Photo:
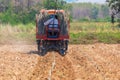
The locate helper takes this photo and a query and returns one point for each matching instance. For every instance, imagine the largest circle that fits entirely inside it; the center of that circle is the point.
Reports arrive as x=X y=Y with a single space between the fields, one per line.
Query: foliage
x=12 y=18
x=54 y=4
x=105 y=10
x=90 y=12
x=115 y=9
x=94 y=13
x=115 y=5
x=23 y=11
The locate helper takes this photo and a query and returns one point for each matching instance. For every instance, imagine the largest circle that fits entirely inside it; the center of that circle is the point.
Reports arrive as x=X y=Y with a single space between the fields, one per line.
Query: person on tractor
x=52 y=22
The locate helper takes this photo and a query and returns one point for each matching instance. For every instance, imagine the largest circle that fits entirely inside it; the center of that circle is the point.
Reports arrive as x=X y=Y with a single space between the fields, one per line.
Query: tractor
x=49 y=37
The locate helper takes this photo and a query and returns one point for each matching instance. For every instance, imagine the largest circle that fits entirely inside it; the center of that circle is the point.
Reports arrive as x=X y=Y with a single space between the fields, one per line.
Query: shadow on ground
x=38 y=53
x=43 y=54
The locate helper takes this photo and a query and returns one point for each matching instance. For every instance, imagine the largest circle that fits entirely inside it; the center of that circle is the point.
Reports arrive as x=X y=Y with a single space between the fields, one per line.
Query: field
x=82 y=62
x=94 y=54
x=90 y=32
x=80 y=33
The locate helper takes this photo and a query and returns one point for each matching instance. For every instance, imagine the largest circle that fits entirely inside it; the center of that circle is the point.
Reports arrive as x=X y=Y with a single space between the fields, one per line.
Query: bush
x=13 y=18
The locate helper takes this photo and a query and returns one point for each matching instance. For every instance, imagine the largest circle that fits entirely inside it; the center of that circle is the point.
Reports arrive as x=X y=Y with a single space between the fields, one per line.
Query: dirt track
x=82 y=62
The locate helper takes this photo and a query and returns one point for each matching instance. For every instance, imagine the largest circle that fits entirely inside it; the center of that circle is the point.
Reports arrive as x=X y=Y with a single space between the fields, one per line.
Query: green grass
x=94 y=37
x=93 y=27
x=91 y=32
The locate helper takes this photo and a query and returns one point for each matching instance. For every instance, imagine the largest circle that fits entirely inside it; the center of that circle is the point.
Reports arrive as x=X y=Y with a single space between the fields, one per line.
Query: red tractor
x=49 y=37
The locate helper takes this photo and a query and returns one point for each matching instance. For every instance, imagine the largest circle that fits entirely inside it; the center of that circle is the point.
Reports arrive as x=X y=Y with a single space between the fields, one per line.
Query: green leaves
x=54 y=4
x=115 y=5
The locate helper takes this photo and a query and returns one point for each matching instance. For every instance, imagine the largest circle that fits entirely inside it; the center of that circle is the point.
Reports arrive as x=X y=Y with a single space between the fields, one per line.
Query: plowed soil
x=82 y=62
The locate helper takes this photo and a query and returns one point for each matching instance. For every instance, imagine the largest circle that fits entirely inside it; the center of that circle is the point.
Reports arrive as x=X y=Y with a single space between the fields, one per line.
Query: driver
x=53 y=21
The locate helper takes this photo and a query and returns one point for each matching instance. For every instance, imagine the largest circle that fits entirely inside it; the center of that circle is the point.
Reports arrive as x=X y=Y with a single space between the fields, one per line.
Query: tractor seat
x=53 y=34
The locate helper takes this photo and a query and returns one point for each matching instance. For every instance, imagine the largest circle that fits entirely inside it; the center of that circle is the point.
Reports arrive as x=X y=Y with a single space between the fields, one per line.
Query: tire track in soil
x=42 y=67
x=53 y=66
x=91 y=63
x=63 y=69
x=83 y=62
x=85 y=66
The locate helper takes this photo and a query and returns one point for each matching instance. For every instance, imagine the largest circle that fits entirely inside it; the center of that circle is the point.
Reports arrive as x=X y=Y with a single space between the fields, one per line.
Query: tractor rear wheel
x=66 y=45
x=62 y=52
x=38 y=46
x=39 y=50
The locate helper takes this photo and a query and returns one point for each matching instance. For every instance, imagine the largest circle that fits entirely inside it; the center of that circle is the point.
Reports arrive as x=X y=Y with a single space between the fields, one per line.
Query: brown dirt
x=82 y=62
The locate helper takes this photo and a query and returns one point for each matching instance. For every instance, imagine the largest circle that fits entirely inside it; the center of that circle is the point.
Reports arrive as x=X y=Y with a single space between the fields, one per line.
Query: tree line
x=23 y=11
x=19 y=11
x=89 y=11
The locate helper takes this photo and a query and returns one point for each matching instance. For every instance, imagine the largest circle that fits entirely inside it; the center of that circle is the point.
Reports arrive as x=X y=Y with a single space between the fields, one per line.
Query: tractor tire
x=66 y=45
x=38 y=46
x=39 y=50
x=62 y=52
x=43 y=52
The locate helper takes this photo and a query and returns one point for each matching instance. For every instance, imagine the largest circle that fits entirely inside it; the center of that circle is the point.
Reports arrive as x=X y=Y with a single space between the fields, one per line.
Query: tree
x=54 y=4
x=105 y=10
x=114 y=5
x=115 y=8
x=94 y=13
